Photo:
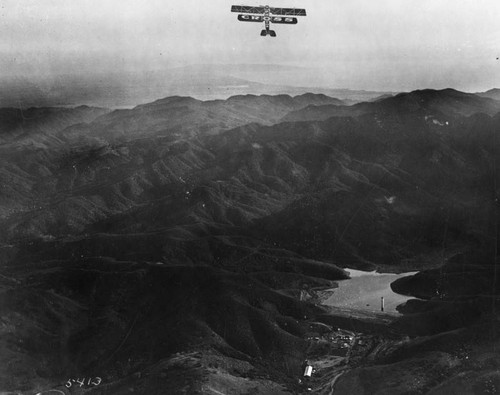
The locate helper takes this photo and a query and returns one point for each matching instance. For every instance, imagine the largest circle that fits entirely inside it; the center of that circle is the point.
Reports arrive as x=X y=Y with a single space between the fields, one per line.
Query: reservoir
x=364 y=291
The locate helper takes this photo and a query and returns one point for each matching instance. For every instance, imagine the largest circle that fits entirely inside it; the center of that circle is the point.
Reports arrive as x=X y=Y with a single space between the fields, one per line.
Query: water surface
x=365 y=289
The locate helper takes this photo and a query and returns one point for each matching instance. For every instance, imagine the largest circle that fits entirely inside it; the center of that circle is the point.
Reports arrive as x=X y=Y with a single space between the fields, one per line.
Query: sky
x=359 y=44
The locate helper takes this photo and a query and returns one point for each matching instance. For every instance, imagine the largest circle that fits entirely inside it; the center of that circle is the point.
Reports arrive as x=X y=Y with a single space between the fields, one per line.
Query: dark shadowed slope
x=107 y=318
x=167 y=246
x=395 y=177
x=18 y=123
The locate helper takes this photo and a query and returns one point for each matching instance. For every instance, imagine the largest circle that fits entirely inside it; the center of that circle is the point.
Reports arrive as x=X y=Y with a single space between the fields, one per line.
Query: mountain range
x=168 y=245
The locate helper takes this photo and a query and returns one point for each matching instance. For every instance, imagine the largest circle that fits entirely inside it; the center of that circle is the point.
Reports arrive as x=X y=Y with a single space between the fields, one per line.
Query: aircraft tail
x=265 y=32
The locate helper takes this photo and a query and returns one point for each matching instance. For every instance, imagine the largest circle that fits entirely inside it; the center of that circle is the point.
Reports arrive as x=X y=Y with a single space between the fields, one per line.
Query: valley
x=186 y=246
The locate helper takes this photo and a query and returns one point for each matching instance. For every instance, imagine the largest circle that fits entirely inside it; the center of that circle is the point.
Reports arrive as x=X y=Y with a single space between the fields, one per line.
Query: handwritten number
x=91 y=381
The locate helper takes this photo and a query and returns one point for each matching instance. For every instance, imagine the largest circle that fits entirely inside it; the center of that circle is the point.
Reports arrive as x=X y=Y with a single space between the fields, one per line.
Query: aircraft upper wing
x=247 y=9
x=288 y=11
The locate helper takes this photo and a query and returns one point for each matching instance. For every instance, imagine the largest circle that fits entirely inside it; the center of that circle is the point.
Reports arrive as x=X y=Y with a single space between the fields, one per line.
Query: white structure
x=308 y=371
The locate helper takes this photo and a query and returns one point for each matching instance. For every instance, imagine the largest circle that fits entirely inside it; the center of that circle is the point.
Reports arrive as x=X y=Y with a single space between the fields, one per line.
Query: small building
x=308 y=371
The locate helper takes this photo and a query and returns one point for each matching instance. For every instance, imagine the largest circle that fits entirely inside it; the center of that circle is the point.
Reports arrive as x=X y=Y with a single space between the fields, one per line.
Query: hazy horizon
x=260 y=73
x=360 y=45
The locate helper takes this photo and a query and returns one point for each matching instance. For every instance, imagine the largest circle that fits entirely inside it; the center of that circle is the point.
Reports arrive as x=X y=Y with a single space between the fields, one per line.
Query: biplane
x=268 y=15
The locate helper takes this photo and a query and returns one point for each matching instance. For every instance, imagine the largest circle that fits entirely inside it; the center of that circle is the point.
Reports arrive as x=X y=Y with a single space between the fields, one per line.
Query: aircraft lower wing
x=284 y=20
x=250 y=18
x=274 y=19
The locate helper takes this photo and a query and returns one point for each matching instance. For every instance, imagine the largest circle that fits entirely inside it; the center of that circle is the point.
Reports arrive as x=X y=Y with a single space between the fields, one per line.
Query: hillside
x=171 y=245
x=18 y=123
x=447 y=103
x=492 y=94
